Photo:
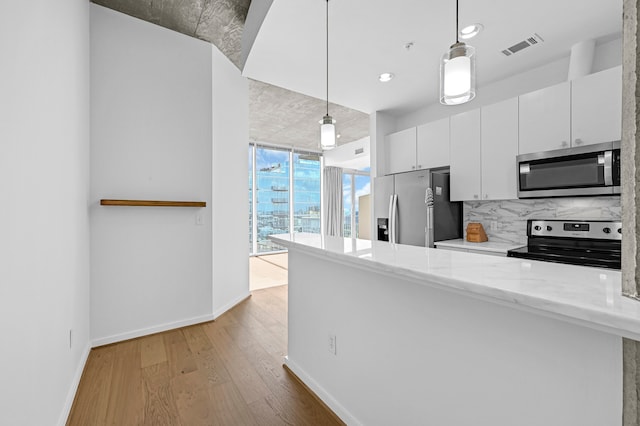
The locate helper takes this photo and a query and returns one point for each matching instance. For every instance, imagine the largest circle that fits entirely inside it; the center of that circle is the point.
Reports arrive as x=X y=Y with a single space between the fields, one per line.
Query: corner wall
x=44 y=221
x=151 y=132
x=230 y=184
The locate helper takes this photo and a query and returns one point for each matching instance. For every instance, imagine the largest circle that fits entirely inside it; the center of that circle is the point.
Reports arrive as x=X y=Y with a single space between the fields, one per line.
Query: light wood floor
x=225 y=372
x=268 y=270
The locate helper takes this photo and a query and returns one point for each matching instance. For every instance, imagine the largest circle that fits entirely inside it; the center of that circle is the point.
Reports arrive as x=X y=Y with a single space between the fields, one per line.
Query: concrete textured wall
x=630 y=195
x=629 y=168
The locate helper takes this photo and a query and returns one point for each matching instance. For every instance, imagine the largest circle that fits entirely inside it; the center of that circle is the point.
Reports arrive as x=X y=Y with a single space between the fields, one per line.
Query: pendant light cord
x=327 y=33
x=457 y=41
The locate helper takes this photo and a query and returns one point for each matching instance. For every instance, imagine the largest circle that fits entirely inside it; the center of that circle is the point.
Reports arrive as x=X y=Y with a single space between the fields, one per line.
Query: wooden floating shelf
x=151 y=203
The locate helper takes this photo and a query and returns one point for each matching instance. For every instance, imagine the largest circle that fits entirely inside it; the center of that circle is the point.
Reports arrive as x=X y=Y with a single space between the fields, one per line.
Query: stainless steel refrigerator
x=401 y=208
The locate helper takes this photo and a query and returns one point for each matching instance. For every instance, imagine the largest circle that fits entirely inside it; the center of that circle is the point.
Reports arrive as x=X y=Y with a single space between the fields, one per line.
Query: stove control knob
x=549 y=228
x=537 y=227
x=619 y=230
x=607 y=230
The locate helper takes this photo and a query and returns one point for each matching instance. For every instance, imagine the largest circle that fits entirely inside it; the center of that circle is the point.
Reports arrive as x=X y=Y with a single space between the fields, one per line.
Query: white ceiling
x=367 y=37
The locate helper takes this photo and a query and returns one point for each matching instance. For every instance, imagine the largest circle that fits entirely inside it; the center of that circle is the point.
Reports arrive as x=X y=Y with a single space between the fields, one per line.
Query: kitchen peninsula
x=395 y=334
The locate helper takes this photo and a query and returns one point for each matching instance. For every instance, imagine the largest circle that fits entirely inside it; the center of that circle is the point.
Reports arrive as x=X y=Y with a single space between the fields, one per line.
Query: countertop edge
x=606 y=322
x=467 y=245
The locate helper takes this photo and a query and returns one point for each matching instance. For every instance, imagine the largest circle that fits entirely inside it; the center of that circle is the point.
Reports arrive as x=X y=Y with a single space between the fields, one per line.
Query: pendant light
x=327 y=127
x=458 y=72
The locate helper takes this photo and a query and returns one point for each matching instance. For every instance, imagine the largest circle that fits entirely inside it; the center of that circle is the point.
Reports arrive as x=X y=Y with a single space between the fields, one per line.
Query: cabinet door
x=432 y=145
x=401 y=151
x=465 y=156
x=499 y=143
x=545 y=119
x=596 y=108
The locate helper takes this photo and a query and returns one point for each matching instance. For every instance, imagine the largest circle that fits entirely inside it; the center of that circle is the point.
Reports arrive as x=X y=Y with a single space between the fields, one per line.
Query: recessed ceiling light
x=385 y=76
x=470 y=31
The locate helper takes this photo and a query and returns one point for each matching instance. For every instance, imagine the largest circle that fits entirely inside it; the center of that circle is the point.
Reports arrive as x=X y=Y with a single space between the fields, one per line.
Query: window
x=250 y=198
x=284 y=194
x=356 y=186
x=306 y=192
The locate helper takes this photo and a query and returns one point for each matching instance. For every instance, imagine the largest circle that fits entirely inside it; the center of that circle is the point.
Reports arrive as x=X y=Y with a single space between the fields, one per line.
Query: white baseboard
x=71 y=394
x=321 y=393
x=230 y=305
x=150 y=330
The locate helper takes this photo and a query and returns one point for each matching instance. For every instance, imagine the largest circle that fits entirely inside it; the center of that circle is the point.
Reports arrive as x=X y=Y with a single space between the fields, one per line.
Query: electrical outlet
x=332 y=343
x=494 y=225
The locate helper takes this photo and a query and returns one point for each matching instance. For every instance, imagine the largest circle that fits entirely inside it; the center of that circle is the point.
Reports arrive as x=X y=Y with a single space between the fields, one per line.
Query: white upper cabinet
x=499 y=147
x=432 y=145
x=401 y=151
x=545 y=119
x=596 y=107
x=465 y=156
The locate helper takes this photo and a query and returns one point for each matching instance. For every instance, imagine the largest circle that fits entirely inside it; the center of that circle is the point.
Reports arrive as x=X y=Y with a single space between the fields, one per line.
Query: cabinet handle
x=475 y=196
x=564 y=144
x=413 y=167
x=419 y=166
x=578 y=141
x=486 y=196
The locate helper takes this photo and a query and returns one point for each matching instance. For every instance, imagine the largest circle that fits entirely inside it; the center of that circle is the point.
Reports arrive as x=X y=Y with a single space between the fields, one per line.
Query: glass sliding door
x=362 y=191
x=347 y=203
x=356 y=188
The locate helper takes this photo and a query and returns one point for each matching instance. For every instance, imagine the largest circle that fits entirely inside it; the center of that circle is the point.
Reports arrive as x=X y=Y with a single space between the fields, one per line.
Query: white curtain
x=334 y=212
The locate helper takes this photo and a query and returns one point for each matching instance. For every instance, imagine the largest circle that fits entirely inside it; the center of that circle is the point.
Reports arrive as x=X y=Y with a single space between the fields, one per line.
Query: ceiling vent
x=530 y=41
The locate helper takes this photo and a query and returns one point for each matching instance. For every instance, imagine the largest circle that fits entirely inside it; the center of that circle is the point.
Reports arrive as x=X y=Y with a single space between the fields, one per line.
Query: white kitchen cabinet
x=432 y=146
x=596 y=107
x=465 y=156
x=545 y=119
x=401 y=151
x=499 y=148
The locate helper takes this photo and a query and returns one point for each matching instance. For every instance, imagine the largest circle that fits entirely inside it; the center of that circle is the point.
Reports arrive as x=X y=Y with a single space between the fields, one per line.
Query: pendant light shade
x=458 y=72
x=327 y=133
x=458 y=75
x=327 y=126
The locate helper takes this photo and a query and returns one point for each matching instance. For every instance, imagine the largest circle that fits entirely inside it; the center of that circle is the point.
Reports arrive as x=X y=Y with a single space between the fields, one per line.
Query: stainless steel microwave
x=584 y=170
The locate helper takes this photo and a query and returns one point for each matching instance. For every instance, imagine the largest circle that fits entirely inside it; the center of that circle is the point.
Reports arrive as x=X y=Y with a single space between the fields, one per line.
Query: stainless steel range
x=577 y=242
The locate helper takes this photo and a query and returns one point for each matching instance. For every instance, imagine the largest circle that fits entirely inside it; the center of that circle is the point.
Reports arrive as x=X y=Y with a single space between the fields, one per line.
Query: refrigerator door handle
x=391 y=227
x=393 y=218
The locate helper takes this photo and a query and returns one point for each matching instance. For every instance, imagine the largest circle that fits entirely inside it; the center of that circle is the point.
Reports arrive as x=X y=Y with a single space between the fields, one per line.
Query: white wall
x=44 y=223
x=230 y=184
x=151 y=132
x=345 y=155
x=169 y=122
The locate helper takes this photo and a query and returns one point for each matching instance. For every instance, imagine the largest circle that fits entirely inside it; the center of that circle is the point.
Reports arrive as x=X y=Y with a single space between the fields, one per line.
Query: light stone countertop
x=492 y=246
x=587 y=296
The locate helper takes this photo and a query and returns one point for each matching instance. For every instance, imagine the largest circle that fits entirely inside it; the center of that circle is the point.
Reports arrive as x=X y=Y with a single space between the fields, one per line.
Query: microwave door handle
x=608 y=168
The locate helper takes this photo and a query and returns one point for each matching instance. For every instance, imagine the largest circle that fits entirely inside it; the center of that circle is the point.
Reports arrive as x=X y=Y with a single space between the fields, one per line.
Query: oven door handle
x=608 y=168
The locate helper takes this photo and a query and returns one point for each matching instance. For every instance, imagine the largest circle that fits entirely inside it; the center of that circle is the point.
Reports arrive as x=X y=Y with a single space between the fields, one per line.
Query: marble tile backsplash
x=511 y=215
